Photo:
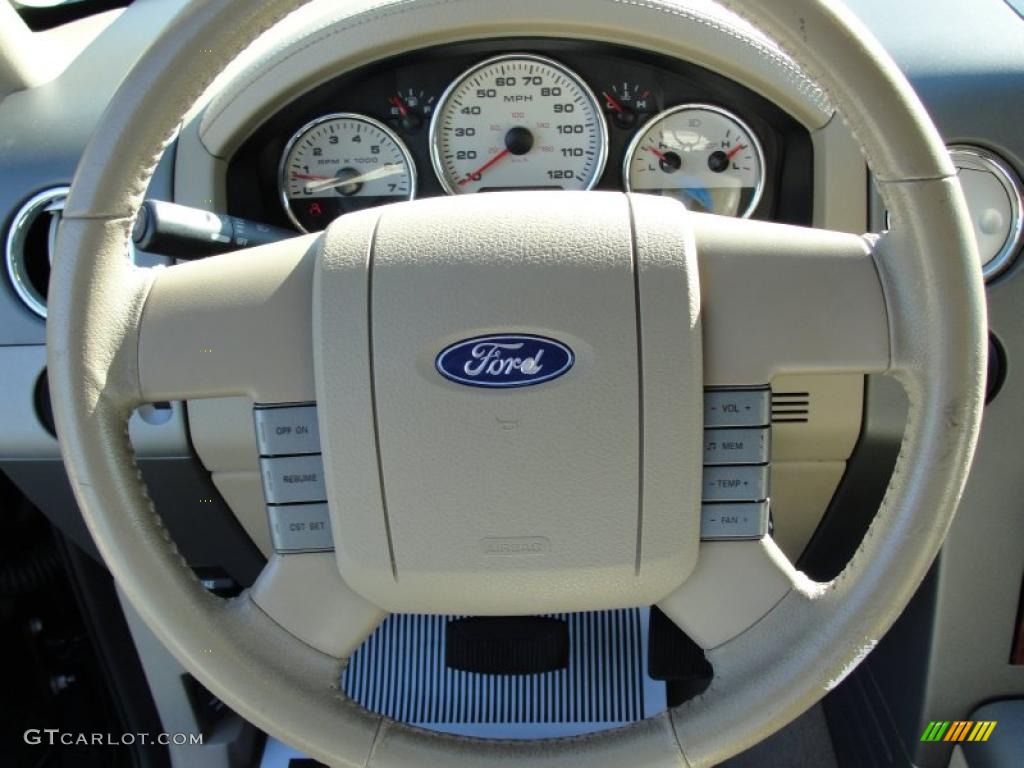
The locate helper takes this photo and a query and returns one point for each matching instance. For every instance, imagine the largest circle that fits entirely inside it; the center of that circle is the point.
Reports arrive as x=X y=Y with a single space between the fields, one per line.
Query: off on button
x=287 y=430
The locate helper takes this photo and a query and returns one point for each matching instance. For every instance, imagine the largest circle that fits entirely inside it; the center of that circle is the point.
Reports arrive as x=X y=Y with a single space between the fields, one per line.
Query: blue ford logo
x=518 y=360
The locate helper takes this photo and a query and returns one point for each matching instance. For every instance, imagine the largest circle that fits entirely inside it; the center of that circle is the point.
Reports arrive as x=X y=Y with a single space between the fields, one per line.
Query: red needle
x=613 y=103
x=659 y=155
x=479 y=171
x=733 y=152
x=397 y=103
x=307 y=177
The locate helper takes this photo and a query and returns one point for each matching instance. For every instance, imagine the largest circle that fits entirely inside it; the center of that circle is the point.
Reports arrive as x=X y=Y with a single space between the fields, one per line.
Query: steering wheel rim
x=934 y=297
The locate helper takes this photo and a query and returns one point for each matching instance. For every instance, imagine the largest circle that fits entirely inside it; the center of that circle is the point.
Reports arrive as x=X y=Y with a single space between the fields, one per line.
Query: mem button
x=287 y=430
x=300 y=528
x=735 y=483
x=737 y=407
x=747 y=520
x=291 y=479
x=736 y=446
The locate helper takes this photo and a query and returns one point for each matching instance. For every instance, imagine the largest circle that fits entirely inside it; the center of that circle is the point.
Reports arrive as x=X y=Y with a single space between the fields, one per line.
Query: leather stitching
x=290 y=49
x=796 y=75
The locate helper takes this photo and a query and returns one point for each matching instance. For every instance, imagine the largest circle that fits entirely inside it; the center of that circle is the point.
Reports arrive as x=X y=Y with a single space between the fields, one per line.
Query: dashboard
x=526 y=113
x=627 y=102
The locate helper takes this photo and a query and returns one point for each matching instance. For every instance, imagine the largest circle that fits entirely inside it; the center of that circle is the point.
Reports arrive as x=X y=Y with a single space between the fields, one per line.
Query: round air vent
x=30 y=245
x=994 y=199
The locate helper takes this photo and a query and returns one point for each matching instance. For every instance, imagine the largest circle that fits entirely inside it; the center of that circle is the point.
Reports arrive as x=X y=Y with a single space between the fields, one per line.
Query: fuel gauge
x=627 y=103
x=701 y=154
x=411 y=108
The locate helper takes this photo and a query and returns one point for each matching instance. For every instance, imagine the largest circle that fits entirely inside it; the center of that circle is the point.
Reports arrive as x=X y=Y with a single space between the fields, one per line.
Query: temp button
x=735 y=483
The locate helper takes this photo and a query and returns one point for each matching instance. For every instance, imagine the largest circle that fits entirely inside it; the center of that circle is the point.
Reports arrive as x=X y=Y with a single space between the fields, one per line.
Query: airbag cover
x=510 y=401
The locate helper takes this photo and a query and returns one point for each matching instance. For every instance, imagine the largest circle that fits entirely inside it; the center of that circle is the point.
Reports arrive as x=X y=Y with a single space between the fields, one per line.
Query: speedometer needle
x=475 y=175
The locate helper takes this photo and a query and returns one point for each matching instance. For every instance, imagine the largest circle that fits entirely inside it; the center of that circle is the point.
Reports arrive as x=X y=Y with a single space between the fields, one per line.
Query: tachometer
x=342 y=163
x=518 y=122
x=701 y=154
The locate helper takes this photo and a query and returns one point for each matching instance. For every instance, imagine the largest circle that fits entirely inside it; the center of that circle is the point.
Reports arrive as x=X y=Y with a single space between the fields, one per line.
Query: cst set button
x=300 y=528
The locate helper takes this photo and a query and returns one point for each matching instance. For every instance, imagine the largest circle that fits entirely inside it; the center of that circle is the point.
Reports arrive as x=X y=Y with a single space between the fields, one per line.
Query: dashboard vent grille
x=791 y=407
x=30 y=245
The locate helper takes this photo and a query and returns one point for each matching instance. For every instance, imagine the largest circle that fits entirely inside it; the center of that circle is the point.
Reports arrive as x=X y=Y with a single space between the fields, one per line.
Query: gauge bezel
x=282 y=187
x=634 y=145
x=442 y=105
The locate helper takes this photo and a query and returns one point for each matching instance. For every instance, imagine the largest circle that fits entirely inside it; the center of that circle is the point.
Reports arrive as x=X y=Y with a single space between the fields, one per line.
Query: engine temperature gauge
x=703 y=155
x=627 y=103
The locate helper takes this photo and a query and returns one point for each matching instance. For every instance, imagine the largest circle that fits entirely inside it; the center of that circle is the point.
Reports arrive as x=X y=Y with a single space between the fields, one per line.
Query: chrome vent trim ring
x=49 y=202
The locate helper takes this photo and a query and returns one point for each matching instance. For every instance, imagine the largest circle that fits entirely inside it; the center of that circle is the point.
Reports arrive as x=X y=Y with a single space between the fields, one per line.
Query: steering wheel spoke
x=734 y=585
x=306 y=595
x=239 y=323
x=783 y=299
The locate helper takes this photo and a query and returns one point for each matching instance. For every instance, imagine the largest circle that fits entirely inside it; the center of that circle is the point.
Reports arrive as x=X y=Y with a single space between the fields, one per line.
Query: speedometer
x=518 y=122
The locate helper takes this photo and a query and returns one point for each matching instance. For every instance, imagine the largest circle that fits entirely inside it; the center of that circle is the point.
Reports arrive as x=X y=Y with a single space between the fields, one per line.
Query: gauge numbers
x=342 y=163
x=518 y=122
x=700 y=154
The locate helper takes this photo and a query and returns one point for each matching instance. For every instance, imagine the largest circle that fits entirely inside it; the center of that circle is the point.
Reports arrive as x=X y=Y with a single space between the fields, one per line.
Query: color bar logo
x=958 y=730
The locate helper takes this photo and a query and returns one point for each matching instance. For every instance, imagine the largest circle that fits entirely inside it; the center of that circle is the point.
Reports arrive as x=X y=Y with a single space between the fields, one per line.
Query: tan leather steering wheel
x=910 y=304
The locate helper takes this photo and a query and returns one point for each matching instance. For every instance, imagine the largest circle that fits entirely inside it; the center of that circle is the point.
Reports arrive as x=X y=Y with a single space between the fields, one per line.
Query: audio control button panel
x=737 y=455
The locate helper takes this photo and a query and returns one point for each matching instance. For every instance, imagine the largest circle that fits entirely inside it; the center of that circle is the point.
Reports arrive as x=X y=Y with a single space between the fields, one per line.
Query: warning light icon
x=315 y=210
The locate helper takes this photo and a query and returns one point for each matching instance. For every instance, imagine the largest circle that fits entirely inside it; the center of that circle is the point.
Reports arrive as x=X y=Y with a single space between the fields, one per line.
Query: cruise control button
x=737 y=407
x=291 y=479
x=736 y=446
x=734 y=521
x=300 y=528
x=735 y=483
x=287 y=430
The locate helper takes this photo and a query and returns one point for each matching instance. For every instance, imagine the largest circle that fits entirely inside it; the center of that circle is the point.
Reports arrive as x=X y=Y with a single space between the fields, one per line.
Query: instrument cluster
x=523 y=114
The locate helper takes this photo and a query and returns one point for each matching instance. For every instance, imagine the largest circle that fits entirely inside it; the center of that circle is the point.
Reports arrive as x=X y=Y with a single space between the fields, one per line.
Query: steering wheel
x=655 y=304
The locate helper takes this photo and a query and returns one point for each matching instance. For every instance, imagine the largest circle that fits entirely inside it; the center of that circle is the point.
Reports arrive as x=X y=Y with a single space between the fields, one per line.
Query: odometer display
x=518 y=122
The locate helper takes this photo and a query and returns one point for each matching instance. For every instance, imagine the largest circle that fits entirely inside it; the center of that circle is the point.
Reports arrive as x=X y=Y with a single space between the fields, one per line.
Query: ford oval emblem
x=504 y=361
